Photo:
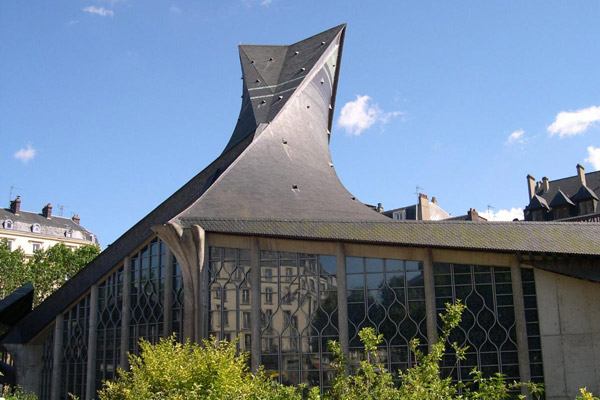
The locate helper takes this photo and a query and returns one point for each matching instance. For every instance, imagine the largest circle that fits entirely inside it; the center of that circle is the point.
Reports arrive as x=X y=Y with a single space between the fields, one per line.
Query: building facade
x=267 y=245
x=32 y=231
x=568 y=199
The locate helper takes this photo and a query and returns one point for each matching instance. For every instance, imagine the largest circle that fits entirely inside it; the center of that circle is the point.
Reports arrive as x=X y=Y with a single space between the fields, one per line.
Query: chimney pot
x=47 y=211
x=15 y=205
x=581 y=174
x=531 y=185
x=379 y=207
x=434 y=200
x=76 y=219
x=545 y=184
x=422 y=196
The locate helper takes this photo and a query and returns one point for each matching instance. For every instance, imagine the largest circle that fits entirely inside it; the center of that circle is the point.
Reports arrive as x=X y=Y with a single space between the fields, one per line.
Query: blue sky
x=107 y=107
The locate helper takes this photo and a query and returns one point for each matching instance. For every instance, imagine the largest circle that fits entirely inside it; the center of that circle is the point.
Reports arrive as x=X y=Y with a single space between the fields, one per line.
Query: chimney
x=531 y=185
x=15 y=205
x=379 y=207
x=545 y=184
x=423 y=208
x=472 y=215
x=581 y=174
x=434 y=200
x=47 y=211
x=76 y=219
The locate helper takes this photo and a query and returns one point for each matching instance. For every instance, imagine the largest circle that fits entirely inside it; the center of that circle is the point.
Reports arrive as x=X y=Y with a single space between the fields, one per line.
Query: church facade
x=266 y=245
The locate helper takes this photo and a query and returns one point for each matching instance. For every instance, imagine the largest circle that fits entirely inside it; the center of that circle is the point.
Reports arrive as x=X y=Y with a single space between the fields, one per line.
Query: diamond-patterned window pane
x=388 y=295
x=47 y=366
x=299 y=315
x=108 y=339
x=229 y=295
x=488 y=323
x=177 y=305
x=147 y=294
x=75 y=350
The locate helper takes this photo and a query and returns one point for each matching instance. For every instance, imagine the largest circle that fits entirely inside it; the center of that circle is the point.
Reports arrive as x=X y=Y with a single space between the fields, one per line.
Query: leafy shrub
x=16 y=393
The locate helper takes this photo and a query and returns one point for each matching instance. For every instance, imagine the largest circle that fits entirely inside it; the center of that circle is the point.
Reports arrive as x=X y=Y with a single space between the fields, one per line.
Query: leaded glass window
x=388 y=295
x=488 y=323
x=299 y=312
x=533 y=327
x=47 y=366
x=177 y=305
x=229 y=299
x=108 y=339
x=75 y=350
x=147 y=294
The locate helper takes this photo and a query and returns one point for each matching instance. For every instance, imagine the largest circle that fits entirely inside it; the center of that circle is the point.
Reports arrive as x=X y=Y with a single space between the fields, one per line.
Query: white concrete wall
x=569 y=314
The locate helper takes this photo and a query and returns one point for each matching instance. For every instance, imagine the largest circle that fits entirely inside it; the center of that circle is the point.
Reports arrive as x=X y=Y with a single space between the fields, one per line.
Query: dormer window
x=537 y=215
x=69 y=233
x=36 y=228
x=8 y=224
x=586 y=207
x=561 y=212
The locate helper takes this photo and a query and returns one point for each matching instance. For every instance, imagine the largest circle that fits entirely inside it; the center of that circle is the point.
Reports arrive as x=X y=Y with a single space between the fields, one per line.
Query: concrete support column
x=430 y=308
x=342 y=298
x=255 y=304
x=520 y=323
x=204 y=281
x=57 y=357
x=125 y=313
x=28 y=365
x=168 y=298
x=90 y=388
x=188 y=245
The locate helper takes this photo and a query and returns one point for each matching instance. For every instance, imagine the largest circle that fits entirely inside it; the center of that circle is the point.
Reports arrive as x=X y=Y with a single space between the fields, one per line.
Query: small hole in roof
x=296 y=52
x=322 y=43
x=263 y=102
x=322 y=81
x=331 y=164
x=280 y=97
x=271 y=59
x=307 y=106
x=353 y=198
x=302 y=69
x=284 y=141
x=330 y=107
x=258 y=80
x=294 y=187
x=252 y=62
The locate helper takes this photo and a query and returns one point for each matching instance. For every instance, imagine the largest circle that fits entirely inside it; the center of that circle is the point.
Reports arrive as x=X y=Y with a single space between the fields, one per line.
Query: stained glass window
x=75 y=350
x=47 y=366
x=533 y=327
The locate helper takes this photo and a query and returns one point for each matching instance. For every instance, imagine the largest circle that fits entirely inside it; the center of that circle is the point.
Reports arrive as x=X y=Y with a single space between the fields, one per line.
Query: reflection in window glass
x=533 y=327
x=75 y=350
x=299 y=313
x=389 y=296
x=229 y=300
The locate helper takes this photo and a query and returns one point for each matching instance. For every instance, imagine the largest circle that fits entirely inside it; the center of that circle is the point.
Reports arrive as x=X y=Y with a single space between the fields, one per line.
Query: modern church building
x=267 y=245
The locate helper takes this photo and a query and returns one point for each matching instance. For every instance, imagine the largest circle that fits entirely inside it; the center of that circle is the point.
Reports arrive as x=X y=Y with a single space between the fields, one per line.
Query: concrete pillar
x=90 y=388
x=57 y=357
x=255 y=304
x=125 y=313
x=28 y=365
x=430 y=308
x=342 y=298
x=168 y=297
x=520 y=323
x=204 y=293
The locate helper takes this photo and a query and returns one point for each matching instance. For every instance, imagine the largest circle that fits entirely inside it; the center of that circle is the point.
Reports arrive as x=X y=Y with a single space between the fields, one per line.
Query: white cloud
x=593 y=157
x=361 y=114
x=502 y=215
x=175 y=10
x=25 y=155
x=516 y=137
x=570 y=123
x=265 y=2
x=101 y=11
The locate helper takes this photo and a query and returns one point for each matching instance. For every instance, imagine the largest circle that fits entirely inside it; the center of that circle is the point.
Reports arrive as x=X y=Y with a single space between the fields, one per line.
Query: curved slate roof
x=287 y=171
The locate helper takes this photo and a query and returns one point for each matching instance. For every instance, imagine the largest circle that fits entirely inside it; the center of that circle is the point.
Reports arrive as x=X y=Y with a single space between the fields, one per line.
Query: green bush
x=16 y=393
x=213 y=370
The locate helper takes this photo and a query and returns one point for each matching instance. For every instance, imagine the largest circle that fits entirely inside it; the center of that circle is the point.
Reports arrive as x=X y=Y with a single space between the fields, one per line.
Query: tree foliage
x=47 y=269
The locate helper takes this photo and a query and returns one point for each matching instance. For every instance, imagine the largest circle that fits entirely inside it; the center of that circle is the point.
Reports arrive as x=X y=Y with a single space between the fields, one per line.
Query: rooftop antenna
x=417 y=190
x=490 y=209
x=12 y=189
x=61 y=208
